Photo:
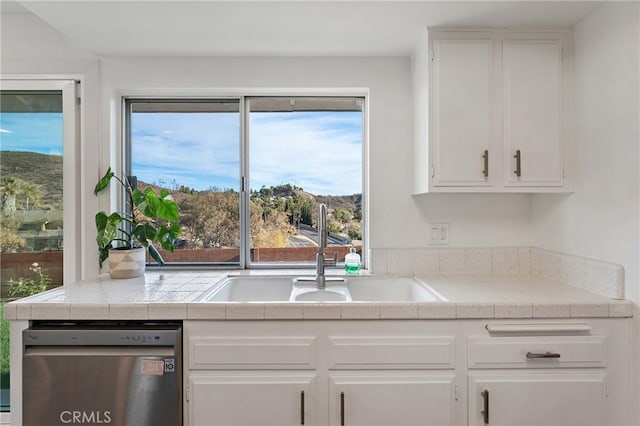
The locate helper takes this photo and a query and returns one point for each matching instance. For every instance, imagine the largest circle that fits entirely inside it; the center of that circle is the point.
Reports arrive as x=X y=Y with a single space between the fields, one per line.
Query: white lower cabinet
x=254 y=399
x=399 y=399
x=571 y=372
x=535 y=398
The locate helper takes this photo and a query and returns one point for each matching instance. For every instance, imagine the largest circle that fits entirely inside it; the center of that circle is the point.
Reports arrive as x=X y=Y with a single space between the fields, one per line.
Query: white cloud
x=321 y=153
x=5 y=131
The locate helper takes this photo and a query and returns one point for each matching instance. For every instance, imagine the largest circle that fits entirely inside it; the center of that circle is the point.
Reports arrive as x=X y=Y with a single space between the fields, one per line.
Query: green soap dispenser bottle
x=352 y=261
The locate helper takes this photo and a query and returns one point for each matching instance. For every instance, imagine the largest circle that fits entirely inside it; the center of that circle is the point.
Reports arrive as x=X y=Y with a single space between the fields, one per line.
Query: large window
x=249 y=174
x=37 y=127
x=192 y=149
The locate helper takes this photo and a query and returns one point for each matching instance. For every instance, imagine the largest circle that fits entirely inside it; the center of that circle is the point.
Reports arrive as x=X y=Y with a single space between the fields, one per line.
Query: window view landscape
x=31 y=203
x=302 y=152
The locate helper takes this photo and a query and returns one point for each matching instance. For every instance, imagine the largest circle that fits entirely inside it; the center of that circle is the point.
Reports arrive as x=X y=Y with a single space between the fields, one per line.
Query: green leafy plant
x=23 y=287
x=151 y=219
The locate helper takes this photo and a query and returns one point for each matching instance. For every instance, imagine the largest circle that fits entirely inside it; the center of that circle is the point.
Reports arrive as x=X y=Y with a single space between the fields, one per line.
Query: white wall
x=601 y=218
x=29 y=45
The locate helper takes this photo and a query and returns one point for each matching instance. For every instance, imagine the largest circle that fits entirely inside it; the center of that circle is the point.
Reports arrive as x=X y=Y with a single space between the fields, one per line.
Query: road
x=308 y=237
x=301 y=241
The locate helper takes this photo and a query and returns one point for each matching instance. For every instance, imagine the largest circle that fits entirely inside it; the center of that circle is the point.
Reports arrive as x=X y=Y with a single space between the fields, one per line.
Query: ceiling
x=279 y=28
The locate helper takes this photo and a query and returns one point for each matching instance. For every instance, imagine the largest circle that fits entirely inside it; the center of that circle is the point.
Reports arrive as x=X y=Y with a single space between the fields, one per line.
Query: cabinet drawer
x=537 y=352
x=252 y=353
x=391 y=352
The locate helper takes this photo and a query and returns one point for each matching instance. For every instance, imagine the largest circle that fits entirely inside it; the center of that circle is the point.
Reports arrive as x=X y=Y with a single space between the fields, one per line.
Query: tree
x=33 y=195
x=212 y=218
x=342 y=216
x=10 y=242
x=10 y=188
x=355 y=230
x=306 y=212
x=274 y=231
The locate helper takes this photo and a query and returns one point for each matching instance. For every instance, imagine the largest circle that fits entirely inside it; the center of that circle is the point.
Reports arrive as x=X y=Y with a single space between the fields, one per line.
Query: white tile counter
x=175 y=294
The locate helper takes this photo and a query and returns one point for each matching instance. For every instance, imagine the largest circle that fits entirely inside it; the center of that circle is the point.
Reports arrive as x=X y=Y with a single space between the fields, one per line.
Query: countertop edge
x=228 y=311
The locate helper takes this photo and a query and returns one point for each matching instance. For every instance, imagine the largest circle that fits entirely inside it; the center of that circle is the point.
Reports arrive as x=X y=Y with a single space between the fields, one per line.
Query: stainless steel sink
x=352 y=289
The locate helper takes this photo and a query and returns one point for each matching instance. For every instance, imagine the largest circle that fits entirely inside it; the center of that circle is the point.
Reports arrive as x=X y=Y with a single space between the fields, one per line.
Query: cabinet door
x=269 y=399
x=377 y=399
x=532 y=88
x=462 y=111
x=537 y=399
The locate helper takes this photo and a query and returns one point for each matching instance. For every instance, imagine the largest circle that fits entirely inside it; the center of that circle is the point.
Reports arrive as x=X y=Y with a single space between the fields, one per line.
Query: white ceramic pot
x=127 y=263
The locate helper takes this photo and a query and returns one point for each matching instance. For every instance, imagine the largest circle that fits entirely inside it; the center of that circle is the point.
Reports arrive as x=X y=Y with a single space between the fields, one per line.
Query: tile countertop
x=175 y=294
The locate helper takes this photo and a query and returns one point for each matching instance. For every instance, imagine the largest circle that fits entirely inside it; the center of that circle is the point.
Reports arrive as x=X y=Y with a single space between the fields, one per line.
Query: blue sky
x=197 y=150
x=318 y=151
x=35 y=132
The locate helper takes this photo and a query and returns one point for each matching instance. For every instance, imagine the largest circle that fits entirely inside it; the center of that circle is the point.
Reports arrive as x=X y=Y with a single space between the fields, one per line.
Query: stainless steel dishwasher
x=111 y=373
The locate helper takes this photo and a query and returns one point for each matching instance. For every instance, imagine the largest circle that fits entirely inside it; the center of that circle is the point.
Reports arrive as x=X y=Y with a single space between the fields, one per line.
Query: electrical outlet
x=439 y=233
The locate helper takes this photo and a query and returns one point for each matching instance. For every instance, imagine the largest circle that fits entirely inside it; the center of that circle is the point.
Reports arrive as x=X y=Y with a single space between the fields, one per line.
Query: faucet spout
x=321 y=260
x=322 y=228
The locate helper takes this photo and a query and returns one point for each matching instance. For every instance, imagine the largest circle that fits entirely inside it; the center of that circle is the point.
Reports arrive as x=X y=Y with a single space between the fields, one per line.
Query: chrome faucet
x=321 y=260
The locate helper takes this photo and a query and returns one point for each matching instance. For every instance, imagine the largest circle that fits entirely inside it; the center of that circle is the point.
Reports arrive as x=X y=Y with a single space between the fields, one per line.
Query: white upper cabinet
x=497 y=116
x=463 y=109
x=532 y=89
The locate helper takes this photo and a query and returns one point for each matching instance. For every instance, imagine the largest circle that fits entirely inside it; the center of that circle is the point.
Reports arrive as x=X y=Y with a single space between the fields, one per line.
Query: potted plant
x=150 y=221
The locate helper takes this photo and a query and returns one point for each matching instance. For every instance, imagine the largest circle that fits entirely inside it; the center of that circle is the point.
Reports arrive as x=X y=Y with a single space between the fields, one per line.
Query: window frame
x=243 y=97
x=73 y=255
x=70 y=169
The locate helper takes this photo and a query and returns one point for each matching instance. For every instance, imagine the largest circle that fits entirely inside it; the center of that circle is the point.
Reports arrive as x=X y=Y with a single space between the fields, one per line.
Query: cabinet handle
x=538 y=355
x=518 y=170
x=485 y=169
x=341 y=408
x=485 y=412
x=302 y=407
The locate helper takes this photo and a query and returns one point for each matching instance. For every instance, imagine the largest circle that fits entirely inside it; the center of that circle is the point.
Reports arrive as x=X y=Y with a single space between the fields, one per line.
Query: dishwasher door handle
x=132 y=351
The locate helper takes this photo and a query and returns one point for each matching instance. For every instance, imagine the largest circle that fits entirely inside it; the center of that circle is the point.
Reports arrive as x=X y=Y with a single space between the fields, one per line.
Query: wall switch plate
x=439 y=233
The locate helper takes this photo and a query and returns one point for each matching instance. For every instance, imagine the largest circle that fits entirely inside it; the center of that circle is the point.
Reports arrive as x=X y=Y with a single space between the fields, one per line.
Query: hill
x=344 y=202
x=40 y=169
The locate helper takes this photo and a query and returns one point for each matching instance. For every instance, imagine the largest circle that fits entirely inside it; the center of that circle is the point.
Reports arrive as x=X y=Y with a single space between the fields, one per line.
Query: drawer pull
x=341 y=408
x=302 y=407
x=485 y=412
x=485 y=168
x=546 y=329
x=545 y=355
x=518 y=170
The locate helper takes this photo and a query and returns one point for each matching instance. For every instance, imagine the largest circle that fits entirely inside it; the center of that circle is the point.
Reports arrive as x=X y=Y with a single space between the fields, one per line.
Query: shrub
x=23 y=287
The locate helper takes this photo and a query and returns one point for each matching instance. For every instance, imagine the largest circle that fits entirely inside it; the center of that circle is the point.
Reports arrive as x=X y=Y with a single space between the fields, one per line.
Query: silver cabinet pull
x=544 y=355
x=485 y=169
x=341 y=408
x=518 y=170
x=302 y=407
x=485 y=412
